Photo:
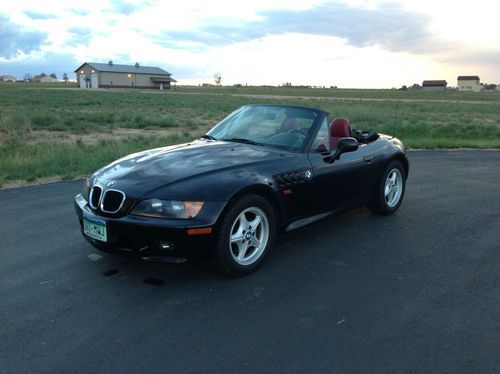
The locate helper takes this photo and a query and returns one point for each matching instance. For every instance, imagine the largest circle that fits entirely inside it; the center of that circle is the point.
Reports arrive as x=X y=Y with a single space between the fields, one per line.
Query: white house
x=7 y=78
x=48 y=79
x=468 y=83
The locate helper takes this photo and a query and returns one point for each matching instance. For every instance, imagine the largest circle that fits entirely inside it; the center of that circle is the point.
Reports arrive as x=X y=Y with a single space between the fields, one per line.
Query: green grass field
x=68 y=132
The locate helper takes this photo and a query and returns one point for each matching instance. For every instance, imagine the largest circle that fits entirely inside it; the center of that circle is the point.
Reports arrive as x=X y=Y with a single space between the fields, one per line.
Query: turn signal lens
x=192 y=208
x=202 y=231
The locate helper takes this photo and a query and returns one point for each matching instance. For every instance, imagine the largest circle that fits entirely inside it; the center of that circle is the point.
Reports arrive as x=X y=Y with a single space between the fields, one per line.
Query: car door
x=347 y=180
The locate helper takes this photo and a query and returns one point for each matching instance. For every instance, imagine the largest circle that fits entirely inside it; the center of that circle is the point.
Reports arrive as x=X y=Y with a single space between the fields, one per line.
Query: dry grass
x=63 y=133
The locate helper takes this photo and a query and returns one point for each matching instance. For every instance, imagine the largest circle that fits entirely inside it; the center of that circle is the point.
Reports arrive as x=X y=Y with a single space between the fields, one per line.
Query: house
x=437 y=85
x=37 y=78
x=7 y=78
x=468 y=83
x=44 y=78
x=48 y=79
x=99 y=75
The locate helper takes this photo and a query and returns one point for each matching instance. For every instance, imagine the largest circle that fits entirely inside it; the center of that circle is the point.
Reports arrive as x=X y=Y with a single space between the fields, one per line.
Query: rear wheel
x=246 y=234
x=390 y=190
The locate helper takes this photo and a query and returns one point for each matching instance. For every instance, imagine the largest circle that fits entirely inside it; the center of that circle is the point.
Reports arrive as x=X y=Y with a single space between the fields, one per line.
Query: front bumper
x=154 y=238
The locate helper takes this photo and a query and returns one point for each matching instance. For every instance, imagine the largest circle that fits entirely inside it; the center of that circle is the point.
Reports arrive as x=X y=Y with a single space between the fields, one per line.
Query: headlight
x=85 y=189
x=168 y=209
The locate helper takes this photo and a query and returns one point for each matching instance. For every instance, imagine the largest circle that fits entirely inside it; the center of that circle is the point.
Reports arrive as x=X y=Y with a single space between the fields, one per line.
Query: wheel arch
x=403 y=160
x=264 y=191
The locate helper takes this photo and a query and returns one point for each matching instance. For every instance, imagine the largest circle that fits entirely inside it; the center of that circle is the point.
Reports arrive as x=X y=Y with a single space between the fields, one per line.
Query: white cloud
x=193 y=39
x=294 y=58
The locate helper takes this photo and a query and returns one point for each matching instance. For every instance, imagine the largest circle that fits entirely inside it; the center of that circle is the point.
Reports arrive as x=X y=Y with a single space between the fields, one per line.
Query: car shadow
x=313 y=243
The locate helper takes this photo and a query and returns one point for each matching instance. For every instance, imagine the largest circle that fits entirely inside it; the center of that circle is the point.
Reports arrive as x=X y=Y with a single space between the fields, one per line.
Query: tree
x=28 y=77
x=53 y=75
x=65 y=77
x=218 y=79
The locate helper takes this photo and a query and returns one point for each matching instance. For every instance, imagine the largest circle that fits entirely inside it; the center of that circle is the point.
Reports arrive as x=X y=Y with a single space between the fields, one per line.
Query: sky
x=348 y=44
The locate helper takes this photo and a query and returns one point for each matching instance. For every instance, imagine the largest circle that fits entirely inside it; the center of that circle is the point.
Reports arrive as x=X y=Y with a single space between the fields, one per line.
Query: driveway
x=415 y=292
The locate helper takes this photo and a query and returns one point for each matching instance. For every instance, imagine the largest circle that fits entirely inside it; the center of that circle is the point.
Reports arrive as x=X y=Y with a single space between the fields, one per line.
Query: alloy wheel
x=249 y=236
x=393 y=188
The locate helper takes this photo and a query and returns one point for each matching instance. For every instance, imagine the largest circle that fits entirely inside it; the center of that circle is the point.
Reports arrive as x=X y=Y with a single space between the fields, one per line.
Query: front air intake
x=95 y=196
x=112 y=201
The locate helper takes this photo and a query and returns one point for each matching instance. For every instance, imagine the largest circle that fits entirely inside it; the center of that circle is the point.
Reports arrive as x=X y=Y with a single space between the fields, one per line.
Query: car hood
x=143 y=173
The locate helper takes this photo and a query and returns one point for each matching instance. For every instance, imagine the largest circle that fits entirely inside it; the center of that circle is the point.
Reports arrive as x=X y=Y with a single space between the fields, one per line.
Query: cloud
x=477 y=58
x=15 y=40
x=248 y=41
x=79 y=12
x=36 y=15
x=57 y=63
x=388 y=26
x=128 y=7
x=79 y=35
x=84 y=32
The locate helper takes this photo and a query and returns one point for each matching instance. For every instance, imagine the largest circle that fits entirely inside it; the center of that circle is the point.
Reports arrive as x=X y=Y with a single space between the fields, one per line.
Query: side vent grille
x=290 y=179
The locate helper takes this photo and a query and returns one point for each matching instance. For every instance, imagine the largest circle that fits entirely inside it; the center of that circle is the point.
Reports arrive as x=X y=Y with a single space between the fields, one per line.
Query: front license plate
x=95 y=228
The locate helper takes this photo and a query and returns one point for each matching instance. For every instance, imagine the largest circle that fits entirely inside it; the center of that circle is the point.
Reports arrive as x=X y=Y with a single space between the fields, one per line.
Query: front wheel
x=390 y=190
x=246 y=234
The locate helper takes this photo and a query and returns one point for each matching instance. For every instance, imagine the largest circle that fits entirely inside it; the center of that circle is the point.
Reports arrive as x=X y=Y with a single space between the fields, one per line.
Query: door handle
x=368 y=159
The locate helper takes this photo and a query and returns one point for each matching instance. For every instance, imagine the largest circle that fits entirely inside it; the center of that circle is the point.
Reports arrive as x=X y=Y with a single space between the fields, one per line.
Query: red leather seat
x=340 y=128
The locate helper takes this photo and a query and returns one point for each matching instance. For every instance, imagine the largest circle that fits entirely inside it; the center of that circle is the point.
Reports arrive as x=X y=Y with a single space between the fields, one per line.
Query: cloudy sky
x=358 y=43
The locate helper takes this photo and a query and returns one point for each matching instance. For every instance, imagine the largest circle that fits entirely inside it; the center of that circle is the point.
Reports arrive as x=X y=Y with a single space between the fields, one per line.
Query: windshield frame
x=313 y=129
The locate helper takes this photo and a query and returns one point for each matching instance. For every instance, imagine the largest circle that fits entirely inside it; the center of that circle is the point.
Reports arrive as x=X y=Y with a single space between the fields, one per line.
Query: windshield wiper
x=242 y=140
x=209 y=137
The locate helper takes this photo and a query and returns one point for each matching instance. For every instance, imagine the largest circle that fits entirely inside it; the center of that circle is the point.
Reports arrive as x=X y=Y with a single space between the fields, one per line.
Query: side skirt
x=306 y=221
x=310 y=219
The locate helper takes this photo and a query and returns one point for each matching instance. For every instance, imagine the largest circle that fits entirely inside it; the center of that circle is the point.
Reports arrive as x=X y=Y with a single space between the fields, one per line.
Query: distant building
x=437 y=85
x=99 y=75
x=43 y=78
x=7 y=78
x=468 y=83
x=48 y=79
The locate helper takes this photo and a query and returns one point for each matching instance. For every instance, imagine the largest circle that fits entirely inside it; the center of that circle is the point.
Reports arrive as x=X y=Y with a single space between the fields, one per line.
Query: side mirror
x=343 y=146
x=347 y=145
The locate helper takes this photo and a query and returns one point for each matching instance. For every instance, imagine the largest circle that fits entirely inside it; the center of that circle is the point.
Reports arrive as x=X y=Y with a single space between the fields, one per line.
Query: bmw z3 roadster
x=261 y=171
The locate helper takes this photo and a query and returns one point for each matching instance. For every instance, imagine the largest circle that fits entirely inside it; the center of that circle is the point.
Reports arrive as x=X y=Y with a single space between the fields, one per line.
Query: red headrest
x=341 y=128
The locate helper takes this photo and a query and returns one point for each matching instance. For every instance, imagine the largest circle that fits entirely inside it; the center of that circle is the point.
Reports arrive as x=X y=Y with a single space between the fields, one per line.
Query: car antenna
x=395 y=120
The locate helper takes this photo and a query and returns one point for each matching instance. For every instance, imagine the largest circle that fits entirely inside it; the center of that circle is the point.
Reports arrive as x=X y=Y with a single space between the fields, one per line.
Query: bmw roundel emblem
x=308 y=174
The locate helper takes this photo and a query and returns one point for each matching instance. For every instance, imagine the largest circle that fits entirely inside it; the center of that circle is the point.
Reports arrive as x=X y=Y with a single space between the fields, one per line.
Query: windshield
x=279 y=126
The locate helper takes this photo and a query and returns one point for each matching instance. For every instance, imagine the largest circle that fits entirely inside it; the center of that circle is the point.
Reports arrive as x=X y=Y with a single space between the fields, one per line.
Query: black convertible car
x=263 y=170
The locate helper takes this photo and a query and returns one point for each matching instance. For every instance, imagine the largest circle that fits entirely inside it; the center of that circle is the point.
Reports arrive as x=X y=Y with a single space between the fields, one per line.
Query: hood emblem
x=308 y=174
x=110 y=183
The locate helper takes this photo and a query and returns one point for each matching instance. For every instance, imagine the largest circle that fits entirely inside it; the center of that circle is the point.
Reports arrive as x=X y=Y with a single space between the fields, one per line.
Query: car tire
x=390 y=190
x=246 y=233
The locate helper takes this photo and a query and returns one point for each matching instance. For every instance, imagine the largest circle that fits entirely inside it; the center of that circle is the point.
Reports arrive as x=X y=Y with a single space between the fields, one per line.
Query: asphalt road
x=415 y=292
